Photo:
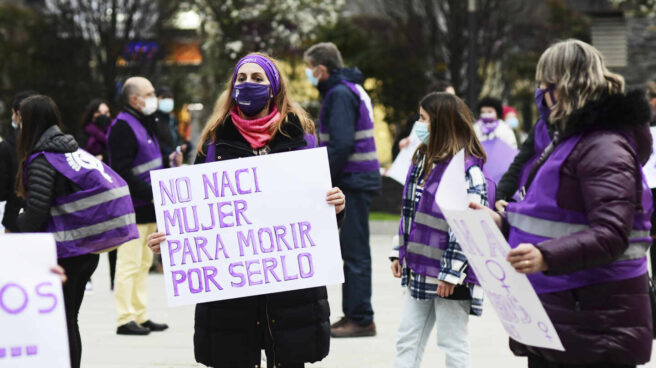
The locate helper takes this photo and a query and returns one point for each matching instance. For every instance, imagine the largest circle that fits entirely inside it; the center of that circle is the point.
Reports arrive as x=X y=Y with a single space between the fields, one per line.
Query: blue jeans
x=356 y=253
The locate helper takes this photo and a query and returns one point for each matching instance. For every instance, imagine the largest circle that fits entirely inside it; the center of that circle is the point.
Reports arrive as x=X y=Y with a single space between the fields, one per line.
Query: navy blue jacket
x=340 y=111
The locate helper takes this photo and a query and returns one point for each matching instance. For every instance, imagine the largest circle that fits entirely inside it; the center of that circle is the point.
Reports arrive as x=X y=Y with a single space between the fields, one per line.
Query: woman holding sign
x=582 y=230
x=428 y=259
x=293 y=327
x=74 y=196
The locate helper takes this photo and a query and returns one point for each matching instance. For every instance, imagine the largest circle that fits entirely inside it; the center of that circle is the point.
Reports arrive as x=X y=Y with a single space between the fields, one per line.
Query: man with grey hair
x=133 y=152
x=346 y=128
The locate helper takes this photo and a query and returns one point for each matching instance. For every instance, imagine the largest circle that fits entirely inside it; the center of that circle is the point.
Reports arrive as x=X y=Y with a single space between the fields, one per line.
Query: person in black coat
x=9 y=166
x=292 y=327
x=41 y=132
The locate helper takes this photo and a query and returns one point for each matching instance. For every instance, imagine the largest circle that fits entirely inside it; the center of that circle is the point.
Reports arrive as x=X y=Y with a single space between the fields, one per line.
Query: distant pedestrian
x=346 y=128
x=95 y=125
x=440 y=288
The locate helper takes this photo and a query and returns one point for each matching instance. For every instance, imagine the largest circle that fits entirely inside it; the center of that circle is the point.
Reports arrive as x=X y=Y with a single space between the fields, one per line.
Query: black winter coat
x=8 y=168
x=292 y=326
x=44 y=183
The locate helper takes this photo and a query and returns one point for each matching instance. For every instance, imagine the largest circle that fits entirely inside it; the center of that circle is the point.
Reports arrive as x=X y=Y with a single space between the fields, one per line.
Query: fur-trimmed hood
x=628 y=112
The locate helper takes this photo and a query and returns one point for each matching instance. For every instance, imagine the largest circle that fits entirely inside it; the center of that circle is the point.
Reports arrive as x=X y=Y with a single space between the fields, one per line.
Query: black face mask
x=102 y=121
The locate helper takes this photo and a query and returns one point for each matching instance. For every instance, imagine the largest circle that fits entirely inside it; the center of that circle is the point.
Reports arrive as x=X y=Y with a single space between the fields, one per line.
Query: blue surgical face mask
x=513 y=122
x=422 y=131
x=166 y=105
x=309 y=73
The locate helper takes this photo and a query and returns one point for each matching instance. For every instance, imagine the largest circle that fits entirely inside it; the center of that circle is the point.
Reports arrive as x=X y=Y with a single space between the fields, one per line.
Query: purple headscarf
x=266 y=64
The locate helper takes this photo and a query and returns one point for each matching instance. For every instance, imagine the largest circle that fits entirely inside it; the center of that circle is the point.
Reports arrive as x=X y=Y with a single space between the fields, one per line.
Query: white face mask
x=150 y=106
x=14 y=124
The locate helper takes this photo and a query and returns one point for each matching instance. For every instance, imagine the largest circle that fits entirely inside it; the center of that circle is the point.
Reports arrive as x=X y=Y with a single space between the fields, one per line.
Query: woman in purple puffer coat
x=582 y=231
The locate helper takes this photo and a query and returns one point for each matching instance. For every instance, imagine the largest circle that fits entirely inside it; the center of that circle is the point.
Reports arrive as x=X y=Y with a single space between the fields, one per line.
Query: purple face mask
x=251 y=97
x=543 y=109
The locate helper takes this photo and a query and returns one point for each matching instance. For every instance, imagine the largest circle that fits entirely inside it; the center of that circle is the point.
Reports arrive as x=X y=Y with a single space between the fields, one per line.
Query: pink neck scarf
x=256 y=131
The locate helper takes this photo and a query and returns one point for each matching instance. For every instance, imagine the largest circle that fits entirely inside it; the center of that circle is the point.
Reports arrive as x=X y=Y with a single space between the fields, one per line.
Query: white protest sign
x=509 y=292
x=33 y=329
x=249 y=226
x=2 y=213
x=649 y=169
x=401 y=165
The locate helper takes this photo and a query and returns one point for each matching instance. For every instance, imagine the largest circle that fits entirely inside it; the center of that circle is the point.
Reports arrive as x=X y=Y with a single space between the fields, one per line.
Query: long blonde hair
x=579 y=75
x=281 y=100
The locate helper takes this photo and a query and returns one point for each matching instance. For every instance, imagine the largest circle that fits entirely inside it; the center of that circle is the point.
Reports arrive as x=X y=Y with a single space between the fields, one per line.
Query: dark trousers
x=535 y=361
x=78 y=271
x=112 y=267
x=356 y=253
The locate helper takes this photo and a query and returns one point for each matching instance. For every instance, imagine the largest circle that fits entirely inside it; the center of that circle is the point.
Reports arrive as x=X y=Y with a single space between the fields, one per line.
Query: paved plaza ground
x=174 y=347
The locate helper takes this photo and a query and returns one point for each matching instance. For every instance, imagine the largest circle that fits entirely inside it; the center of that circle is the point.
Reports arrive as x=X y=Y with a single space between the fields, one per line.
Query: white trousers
x=417 y=322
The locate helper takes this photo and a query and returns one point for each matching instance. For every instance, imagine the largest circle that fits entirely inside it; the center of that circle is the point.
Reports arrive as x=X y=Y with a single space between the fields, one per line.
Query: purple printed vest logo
x=538 y=218
x=97 y=217
x=428 y=236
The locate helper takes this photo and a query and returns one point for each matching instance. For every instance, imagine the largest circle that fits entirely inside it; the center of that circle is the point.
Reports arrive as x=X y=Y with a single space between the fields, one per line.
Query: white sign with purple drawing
x=649 y=169
x=510 y=293
x=33 y=332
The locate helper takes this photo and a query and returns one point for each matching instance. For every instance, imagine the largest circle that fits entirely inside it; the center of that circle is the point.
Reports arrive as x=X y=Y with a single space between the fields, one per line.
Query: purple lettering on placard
x=285 y=275
x=171 y=220
x=187 y=187
x=497 y=272
x=187 y=252
x=31 y=350
x=304 y=228
x=194 y=274
x=213 y=221
x=240 y=190
x=310 y=271
x=173 y=250
x=201 y=248
x=224 y=215
x=511 y=330
x=178 y=278
x=292 y=226
x=212 y=185
x=3 y=353
x=16 y=351
x=269 y=266
x=225 y=183
x=281 y=232
x=43 y=294
x=210 y=273
x=257 y=183
x=246 y=242
x=492 y=242
x=250 y=273
x=220 y=247
x=185 y=217
x=543 y=327
x=272 y=245
x=6 y=308
x=235 y=273
x=240 y=208
x=168 y=191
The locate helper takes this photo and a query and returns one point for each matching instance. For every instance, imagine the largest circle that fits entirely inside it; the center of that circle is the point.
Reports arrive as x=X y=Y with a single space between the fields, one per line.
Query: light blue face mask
x=309 y=73
x=166 y=105
x=14 y=124
x=421 y=130
x=513 y=122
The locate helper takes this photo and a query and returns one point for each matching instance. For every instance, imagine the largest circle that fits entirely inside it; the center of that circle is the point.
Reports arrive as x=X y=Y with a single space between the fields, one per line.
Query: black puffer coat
x=607 y=322
x=44 y=183
x=293 y=327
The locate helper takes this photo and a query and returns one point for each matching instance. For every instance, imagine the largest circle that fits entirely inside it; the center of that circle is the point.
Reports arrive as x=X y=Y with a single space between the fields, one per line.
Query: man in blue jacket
x=346 y=128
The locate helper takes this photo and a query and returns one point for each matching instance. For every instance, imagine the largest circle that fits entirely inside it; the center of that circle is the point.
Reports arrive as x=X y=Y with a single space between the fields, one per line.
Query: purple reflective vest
x=538 y=218
x=499 y=157
x=149 y=156
x=541 y=140
x=364 y=157
x=429 y=237
x=97 y=217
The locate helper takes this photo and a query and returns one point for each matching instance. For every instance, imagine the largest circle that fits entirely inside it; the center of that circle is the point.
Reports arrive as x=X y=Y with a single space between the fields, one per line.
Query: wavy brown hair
x=579 y=75
x=281 y=100
x=451 y=129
